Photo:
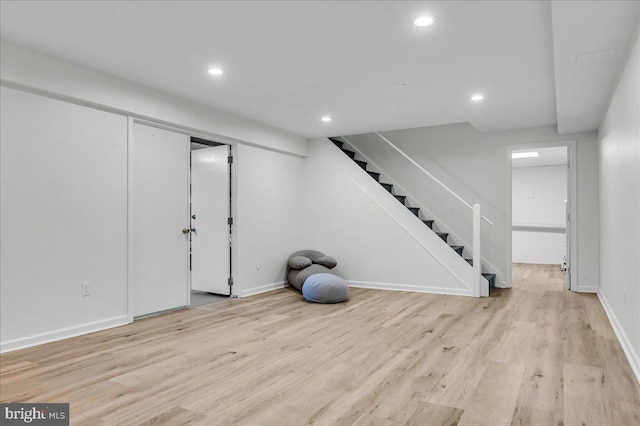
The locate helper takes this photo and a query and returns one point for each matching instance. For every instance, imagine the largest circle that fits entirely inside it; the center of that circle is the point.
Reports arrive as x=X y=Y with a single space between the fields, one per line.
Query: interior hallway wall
x=538 y=201
x=620 y=209
x=474 y=165
x=63 y=220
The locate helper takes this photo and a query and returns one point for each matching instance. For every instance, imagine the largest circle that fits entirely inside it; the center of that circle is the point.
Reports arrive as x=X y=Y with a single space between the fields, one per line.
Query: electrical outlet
x=86 y=289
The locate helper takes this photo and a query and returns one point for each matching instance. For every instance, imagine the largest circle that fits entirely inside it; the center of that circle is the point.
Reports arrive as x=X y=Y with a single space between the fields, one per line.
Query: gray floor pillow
x=325 y=288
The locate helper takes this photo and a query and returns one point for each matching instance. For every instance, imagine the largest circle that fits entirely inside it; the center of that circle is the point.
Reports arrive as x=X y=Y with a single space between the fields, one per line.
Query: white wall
x=270 y=218
x=620 y=210
x=64 y=218
x=372 y=249
x=474 y=165
x=64 y=193
x=538 y=201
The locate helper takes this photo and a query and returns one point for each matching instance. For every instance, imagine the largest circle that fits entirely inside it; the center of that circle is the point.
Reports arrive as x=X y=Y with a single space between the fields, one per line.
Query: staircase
x=415 y=210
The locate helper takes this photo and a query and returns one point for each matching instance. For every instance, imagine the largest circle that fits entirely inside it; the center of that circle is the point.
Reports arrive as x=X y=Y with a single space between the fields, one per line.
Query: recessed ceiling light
x=524 y=154
x=477 y=97
x=423 y=21
x=216 y=71
x=326 y=119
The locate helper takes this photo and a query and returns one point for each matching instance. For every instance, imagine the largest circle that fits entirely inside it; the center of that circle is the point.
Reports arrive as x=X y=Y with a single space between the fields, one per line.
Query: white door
x=159 y=185
x=568 y=221
x=210 y=254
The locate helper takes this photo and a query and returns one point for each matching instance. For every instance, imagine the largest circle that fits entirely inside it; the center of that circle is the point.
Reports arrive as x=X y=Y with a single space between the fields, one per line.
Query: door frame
x=572 y=197
x=234 y=203
x=230 y=230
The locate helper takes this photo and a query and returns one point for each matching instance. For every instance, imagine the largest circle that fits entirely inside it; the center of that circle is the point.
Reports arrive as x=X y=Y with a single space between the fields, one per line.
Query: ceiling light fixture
x=326 y=119
x=216 y=71
x=477 y=97
x=423 y=21
x=532 y=154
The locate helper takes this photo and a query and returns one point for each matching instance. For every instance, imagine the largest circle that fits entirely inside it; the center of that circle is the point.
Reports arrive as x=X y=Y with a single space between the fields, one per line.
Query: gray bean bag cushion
x=325 y=287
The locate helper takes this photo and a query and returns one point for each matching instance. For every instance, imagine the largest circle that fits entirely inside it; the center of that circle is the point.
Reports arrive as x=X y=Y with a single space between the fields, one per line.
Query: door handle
x=186 y=231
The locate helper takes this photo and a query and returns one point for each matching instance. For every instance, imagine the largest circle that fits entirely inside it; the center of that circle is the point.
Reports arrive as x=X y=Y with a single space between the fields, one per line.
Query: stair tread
x=351 y=154
x=387 y=186
x=457 y=249
x=374 y=174
x=414 y=210
x=491 y=278
x=337 y=142
x=362 y=164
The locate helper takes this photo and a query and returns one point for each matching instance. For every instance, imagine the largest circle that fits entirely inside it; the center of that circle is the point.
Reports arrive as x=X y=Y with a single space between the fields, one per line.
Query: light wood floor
x=535 y=354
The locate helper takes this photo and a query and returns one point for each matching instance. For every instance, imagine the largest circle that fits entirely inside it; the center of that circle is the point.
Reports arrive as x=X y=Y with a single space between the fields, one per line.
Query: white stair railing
x=476 y=285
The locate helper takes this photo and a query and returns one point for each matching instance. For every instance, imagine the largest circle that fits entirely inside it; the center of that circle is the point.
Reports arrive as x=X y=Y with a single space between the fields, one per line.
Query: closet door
x=159 y=226
x=210 y=191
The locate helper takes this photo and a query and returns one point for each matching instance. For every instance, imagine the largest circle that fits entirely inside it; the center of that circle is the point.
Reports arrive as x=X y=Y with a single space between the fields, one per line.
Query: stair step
x=336 y=142
x=351 y=154
x=491 y=278
x=457 y=249
x=374 y=175
x=443 y=235
x=362 y=164
x=469 y=261
x=429 y=223
x=414 y=210
x=400 y=198
x=387 y=186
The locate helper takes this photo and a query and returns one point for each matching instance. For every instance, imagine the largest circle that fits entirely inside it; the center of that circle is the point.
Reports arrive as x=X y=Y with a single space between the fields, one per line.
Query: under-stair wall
x=371 y=235
x=474 y=166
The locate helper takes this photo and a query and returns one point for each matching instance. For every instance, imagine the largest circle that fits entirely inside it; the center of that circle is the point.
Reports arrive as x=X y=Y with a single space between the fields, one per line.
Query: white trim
x=263 y=289
x=63 y=333
x=413 y=226
x=129 y=218
x=573 y=208
x=235 y=250
x=411 y=288
x=440 y=224
x=586 y=289
x=627 y=347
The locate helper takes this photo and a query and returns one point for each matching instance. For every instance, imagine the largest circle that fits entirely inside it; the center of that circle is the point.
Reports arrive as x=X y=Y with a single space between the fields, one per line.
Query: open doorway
x=180 y=219
x=210 y=248
x=541 y=205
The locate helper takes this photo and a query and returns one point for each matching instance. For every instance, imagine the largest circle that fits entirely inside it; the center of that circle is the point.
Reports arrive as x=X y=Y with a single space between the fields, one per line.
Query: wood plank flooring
x=532 y=355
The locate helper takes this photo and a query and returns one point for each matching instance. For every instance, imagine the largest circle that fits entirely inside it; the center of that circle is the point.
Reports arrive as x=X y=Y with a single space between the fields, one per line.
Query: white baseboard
x=586 y=289
x=263 y=289
x=627 y=347
x=411 y=288
x=63 y=333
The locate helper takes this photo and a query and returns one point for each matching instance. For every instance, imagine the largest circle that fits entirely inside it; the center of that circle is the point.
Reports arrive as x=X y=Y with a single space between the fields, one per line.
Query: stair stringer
x=411 y=224
x=486 y=265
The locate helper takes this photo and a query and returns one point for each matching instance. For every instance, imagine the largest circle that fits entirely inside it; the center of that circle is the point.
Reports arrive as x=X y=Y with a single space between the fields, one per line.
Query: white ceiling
x=364 y=63
x=589 y=57
x=553 y=156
